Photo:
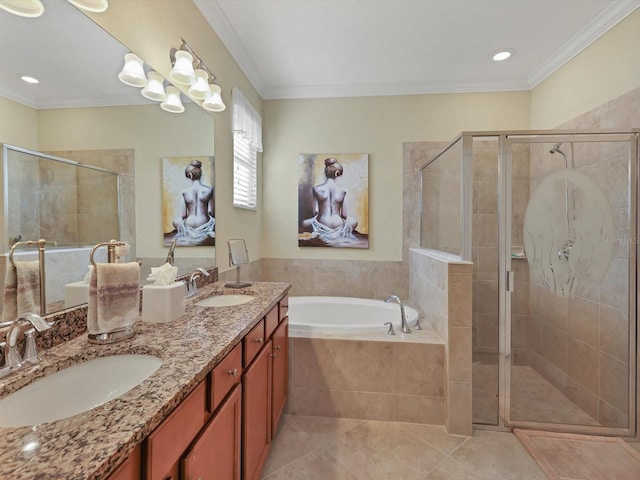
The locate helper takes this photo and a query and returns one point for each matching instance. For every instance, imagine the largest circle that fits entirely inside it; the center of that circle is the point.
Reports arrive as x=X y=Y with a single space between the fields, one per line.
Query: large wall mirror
x=81 y=112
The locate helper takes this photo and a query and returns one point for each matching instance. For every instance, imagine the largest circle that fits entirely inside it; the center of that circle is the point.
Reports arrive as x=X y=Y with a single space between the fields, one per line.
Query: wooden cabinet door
x=216 y=453
x=256 y=406
x=280 y=357
x=130 y=469
x=166 y=444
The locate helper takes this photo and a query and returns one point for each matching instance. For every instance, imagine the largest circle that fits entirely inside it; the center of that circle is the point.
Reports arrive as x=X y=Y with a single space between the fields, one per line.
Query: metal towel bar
x=111 y=250
x=40 y=244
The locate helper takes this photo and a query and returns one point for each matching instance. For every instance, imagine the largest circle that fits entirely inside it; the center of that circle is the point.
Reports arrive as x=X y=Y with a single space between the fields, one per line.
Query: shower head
x=556 y=149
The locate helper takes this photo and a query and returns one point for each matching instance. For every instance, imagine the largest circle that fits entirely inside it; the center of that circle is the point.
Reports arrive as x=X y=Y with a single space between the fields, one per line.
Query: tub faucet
x=27 y=325
x=403 y=319
x=171 y=256
x=192 y=286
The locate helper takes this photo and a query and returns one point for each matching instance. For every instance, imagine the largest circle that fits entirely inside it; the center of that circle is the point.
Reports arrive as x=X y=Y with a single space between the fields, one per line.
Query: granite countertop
x=90 y=445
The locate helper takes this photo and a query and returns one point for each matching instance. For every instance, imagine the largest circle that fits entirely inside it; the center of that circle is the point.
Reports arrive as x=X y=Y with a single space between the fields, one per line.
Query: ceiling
x=320 y=48
x=335 y=48
x=59 y=48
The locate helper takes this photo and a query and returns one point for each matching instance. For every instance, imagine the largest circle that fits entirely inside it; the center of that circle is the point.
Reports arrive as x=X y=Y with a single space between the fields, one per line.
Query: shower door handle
x=510 y=281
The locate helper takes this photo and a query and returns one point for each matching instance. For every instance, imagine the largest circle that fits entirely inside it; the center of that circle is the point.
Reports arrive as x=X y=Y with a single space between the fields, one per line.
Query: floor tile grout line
x=447 y=456
x=288 y=464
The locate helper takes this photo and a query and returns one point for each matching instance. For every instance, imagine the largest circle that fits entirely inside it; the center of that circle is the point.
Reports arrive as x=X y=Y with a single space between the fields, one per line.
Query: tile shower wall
x=64 y=193
x=441 y=188
x=485 y=252
x=94 y=226
x=581 y=344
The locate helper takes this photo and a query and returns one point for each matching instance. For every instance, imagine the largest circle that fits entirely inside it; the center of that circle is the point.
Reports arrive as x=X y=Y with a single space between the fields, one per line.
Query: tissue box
x=162 y=303
x=75 y=294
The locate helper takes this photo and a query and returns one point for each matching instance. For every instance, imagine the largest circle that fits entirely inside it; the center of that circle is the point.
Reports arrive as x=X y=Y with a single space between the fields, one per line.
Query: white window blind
x=247 y=142
x=244 y=173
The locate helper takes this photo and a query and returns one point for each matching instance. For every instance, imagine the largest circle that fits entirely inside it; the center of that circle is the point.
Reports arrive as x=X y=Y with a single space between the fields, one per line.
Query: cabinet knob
x=258 y=340
x=276 y=347
x=273 y=355
x=234 y=372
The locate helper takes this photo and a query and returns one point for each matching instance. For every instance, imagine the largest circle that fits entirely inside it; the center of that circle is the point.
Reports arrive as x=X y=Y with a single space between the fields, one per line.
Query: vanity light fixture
x=189 y=69
x=154 y=89
x=182 y=71
x=23 y=8
x=214 y=102
x=201 y=89
x=172 y=102
x=133 y=71
x=95 y=6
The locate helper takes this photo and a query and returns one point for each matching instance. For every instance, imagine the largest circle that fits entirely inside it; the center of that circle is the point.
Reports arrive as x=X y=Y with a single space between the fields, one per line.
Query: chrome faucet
x=403 y=320
x=27 y=324
x=192 y=286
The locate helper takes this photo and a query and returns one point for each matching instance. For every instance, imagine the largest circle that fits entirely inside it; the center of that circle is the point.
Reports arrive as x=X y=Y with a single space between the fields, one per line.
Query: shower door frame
x=506 y=276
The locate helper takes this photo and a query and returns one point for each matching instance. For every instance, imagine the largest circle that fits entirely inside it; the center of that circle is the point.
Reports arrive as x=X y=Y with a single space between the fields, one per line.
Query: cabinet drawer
x=253 y=342
x=271 y=321
x=166 y=443
x=226 y=375
x=283 y=307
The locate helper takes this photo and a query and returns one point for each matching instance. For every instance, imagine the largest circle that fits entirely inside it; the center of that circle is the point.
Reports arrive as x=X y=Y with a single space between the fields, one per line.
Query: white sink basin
x=225 y=300
x=76 y=389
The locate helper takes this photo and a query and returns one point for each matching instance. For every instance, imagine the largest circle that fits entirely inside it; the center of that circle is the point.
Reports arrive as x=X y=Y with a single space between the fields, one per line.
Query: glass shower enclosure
x=549 y=220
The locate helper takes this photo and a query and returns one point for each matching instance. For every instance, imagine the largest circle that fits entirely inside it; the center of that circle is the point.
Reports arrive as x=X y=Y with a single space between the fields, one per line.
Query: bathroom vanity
x=213 y=405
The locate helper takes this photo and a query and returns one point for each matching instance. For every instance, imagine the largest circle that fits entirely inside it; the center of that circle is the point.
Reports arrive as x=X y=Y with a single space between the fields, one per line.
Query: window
x=244 y=173
x=247 y=142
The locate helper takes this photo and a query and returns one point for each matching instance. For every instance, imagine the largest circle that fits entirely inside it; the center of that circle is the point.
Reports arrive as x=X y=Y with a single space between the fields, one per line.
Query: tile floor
x=533 y=398
x=322 y=448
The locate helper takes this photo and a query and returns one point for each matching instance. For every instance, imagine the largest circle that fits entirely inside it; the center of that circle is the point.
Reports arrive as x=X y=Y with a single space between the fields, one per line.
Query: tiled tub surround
x=90 y=445
x=441 y=287
x=369 y=376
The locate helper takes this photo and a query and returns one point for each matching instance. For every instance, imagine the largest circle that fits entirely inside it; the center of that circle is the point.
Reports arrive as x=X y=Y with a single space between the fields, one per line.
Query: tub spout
x=403 y=319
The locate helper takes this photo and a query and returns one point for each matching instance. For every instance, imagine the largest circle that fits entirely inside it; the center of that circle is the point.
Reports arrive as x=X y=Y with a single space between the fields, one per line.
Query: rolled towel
x=21 y=290
x=114 y=297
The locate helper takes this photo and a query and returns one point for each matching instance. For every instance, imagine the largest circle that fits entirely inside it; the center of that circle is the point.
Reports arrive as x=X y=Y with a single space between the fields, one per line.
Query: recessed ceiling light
x=502 y=55
x=29 y=79
x=23 y=8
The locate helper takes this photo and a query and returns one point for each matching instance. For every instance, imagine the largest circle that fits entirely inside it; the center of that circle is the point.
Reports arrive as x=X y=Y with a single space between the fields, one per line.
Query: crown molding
x=588 y=35
x=388 y=89
x=212 y=12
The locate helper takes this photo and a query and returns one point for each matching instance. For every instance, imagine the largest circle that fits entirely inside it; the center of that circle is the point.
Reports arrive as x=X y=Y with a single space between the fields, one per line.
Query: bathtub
x=342 y=363
x=351 y=315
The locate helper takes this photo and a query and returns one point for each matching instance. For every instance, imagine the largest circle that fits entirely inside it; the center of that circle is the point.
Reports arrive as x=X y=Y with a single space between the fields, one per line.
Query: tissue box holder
x=162 y=303
x=75 y=294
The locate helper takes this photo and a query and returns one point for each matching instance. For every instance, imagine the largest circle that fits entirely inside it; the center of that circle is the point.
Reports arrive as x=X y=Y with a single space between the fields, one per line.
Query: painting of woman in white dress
x=188 y=201
x=333 y=200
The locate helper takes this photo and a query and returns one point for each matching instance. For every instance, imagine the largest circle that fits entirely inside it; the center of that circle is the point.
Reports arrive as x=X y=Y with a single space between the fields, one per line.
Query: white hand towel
x=114 y=297
x=21 y=290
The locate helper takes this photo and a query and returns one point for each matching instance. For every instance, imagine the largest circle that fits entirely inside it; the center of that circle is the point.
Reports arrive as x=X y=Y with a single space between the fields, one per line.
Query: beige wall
x=375 y=125
x=607 y=69
x=151 y=29
x=18 y=124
